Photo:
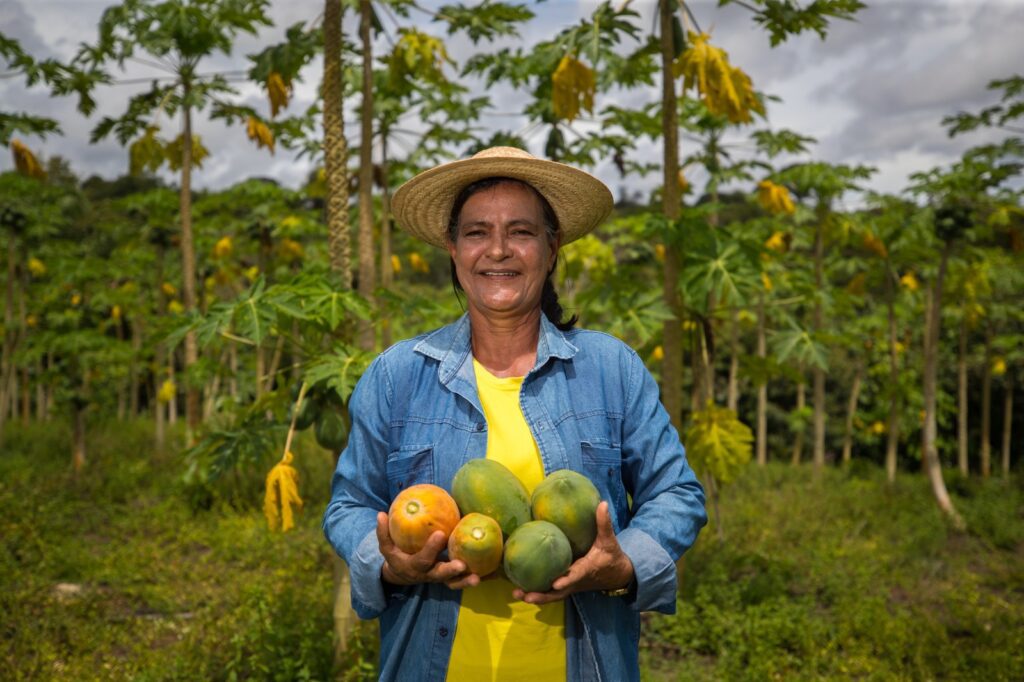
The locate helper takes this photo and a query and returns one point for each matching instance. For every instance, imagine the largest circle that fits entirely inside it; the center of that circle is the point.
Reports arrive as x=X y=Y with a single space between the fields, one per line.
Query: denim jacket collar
x=451 y=346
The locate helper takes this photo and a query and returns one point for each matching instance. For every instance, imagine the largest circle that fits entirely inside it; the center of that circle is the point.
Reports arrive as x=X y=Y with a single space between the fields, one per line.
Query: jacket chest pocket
x=603 y=466
x=409 y=466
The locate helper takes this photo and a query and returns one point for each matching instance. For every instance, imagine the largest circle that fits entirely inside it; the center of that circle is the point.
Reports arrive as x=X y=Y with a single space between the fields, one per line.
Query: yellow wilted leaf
x=659 y=252
x=115 y=313
x=857 y=284
x=291 y=222
x=778 y=242
x=878 y=428
x=909 y=282
x=717 y=442
x=175 y=307
x=658 y=353
x=688 y=325
x=147 y=153
x=682 y=182
x=36 y=267
x=31 y=320
x=898 y=347
x=259 y=133
x=417 y=263
x=279 y=92
x=574 y=87
x=223 y=247
x=396 y=263
x=252 y=273
x=998 y=366
x=26 y=162
x=168 y=289
x=774 y=198
x=167 y=391
x=290 y=249
x=76 y=299
x=724 y=89
x=282 y=493
x=175 y=150
x=766 y=281
x=875 y=245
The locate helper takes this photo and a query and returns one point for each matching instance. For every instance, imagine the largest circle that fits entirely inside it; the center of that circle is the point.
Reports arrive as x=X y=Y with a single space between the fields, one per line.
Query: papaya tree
x=178 y=36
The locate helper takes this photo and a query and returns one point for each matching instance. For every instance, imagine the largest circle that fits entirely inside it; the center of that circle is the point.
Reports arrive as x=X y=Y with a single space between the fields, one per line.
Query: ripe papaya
x=417 y=512
x=477 y=542
x=569 y=500
x=490 y=488
x=331 y=430
x=535 y=555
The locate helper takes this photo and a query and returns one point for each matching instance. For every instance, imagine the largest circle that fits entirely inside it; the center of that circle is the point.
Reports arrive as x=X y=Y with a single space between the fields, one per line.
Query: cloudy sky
x=873 y=93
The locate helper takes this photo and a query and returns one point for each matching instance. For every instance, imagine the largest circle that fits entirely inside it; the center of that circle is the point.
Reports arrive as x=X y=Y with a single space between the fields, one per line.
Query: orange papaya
x=477 y=542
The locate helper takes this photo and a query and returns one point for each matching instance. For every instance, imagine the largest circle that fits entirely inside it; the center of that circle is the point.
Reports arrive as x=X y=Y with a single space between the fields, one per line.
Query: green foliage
x=783 y=18
x=718 y=443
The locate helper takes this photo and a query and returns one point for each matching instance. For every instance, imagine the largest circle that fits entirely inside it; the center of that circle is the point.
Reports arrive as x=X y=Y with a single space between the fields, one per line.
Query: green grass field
x=128 y=573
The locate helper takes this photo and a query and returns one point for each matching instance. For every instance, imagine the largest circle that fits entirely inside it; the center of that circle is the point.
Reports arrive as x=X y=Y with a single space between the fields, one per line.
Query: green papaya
x=490 y=488
x=331 y=430
x=535 y=555
x=569 y=500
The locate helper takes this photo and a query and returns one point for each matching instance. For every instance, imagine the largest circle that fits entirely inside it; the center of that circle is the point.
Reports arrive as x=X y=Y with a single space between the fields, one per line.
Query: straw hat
x=423 y=205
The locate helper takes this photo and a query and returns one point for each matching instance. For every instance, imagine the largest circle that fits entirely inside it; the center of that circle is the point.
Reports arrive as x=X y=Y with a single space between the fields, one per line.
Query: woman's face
x=502 y=251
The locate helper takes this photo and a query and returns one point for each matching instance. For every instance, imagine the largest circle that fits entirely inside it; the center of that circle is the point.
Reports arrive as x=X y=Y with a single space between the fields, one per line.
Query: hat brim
x=422 y=206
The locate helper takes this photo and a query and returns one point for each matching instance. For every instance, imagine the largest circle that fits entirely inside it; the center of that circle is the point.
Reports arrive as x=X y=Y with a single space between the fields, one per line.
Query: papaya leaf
x=718 y=443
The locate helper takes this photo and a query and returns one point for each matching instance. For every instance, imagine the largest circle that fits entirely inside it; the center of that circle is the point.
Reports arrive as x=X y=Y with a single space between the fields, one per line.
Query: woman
x=512 y=382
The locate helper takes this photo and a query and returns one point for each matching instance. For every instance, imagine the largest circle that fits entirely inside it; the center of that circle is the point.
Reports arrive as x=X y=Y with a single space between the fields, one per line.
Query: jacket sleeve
x=667 y=499
x=359 y=489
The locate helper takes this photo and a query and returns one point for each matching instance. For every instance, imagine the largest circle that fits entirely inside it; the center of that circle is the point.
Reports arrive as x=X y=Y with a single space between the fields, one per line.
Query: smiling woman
x=511 y=382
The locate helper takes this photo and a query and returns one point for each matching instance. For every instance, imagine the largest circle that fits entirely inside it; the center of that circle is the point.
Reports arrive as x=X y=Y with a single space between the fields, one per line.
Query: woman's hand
x=422 y=567
x=604 y=567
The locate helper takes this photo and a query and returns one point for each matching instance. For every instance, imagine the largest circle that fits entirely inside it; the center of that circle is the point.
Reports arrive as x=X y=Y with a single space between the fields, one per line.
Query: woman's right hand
x=422 y=567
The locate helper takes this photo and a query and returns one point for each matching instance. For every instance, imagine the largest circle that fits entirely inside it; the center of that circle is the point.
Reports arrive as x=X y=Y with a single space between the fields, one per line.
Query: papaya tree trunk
x=133 y=370
x=895 y=401
x=672 y=333
x=387 y=272
x=7 y=361
x=188 y=268
x=961 y=400
x=1007 y=424
x=335 y=147
x=732 y=397
x=762 y=387
x=40 y=391
x=798 y=437
x=819 y=323
x=933 y=326
x=851 y=412
x=78 y=438
x=986 y=406
x=339 y=249
x=367 y=274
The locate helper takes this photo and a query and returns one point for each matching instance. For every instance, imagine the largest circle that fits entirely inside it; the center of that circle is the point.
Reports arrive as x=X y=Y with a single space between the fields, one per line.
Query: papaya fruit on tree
x=331 y=429
x=490 y=488
x=569 y=500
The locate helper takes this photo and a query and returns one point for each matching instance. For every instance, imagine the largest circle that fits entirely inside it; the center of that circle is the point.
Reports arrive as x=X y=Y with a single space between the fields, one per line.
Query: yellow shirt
x=499 y=638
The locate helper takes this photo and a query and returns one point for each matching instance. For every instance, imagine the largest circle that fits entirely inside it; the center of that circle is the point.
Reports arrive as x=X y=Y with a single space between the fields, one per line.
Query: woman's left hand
x=604 y=567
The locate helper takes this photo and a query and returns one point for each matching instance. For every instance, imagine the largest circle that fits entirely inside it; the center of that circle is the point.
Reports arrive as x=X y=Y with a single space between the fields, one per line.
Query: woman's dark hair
x=549 y=304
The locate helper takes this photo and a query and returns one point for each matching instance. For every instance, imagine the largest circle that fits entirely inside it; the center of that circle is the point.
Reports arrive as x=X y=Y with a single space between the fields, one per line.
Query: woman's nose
x=498 y=247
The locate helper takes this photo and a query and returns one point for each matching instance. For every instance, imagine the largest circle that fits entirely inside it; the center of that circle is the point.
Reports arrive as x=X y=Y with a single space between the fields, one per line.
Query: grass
x=126 y=573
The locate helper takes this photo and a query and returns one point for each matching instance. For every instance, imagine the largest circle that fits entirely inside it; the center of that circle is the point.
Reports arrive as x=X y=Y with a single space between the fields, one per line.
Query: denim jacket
x=593 y=407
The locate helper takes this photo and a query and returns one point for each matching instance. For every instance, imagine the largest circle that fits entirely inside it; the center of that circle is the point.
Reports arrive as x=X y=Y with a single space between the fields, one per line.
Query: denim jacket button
x=479 y=426
x=443 y=632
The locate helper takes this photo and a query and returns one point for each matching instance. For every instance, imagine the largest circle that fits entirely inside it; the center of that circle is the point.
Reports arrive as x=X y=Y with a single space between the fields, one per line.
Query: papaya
x=490 y=488
x=331 y=430
x=417 y=512
x=569 y=500
x=535 y=555
x=477 y=542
